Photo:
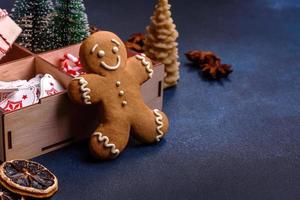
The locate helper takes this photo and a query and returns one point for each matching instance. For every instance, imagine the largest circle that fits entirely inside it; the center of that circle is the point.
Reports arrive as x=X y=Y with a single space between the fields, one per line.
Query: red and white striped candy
x=73 y=59
x=75 y=68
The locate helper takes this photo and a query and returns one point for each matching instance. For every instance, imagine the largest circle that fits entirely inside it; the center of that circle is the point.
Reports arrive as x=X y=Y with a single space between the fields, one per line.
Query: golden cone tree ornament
x=160 y=42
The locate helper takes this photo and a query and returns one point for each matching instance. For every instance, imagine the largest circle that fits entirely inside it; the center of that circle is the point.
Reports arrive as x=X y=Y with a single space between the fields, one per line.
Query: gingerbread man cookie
x=114 y=82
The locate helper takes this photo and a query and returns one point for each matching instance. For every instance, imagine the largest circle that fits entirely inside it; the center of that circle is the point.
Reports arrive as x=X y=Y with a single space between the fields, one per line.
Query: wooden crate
x=54 y=122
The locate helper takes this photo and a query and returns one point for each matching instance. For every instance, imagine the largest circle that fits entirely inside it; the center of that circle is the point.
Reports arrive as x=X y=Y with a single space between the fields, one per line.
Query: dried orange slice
x=8 y=195
x=28 y=178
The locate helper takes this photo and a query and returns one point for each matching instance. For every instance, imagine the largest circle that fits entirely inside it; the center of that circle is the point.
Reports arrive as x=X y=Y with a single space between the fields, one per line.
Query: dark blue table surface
x=234 y=139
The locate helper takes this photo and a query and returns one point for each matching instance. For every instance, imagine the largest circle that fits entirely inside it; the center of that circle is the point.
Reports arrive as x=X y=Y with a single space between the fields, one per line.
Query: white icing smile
x=101 y=54
x=114 y=67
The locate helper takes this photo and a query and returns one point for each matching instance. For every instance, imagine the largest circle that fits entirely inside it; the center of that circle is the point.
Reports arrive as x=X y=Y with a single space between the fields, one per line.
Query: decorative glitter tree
x=160 y=42
x=35 y=17
x=71 y=22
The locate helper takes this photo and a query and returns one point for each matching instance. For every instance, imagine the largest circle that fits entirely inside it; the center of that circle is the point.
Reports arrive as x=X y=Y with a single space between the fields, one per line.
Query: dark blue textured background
x=235 y=139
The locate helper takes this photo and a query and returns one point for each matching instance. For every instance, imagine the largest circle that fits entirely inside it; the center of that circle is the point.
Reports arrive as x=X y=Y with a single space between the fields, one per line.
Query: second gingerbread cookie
x=114 y=83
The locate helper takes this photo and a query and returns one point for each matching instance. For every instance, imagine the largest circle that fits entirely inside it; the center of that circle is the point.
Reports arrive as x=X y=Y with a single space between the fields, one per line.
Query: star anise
x=93 y=29
x=136 y=42
x=209 y=63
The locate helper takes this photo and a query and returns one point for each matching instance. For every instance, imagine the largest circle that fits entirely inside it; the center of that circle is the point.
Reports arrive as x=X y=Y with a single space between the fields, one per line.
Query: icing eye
x=115 y=50
x=101 y=54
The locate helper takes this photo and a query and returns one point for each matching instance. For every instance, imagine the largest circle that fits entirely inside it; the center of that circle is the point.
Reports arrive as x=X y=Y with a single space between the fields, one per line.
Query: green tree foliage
x=35 y=17
x=71 y=22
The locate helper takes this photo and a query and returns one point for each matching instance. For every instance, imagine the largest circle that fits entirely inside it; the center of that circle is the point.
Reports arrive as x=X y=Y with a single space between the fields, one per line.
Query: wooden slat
x=156 y=103
x=22 y=69
x=152 y=89
x=15 y=53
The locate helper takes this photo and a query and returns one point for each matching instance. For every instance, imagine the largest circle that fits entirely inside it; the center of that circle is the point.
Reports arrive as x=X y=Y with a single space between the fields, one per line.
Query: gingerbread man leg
x=150 y=126
x=109 y=140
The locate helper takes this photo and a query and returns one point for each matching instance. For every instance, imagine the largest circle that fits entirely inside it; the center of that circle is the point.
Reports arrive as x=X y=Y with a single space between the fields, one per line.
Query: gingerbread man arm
x=86 y=89
x=140 y=67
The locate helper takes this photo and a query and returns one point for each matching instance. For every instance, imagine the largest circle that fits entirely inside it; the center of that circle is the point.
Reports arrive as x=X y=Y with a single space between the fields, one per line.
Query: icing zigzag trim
x=160 y=124
x=86 y=91
x=105 y=140
x=147 y=64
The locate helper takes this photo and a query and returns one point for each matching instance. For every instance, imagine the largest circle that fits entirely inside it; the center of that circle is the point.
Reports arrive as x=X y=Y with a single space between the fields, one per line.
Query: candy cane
x=73 y=59
x=71 y=70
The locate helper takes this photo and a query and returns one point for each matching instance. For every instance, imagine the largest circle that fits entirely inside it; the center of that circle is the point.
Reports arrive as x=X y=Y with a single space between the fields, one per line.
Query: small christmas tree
x=160 y=42
x=35 y=17
x=71 y=22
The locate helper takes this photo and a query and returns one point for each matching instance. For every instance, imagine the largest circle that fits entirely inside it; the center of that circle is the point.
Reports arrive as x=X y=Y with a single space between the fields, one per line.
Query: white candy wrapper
x=15 y=95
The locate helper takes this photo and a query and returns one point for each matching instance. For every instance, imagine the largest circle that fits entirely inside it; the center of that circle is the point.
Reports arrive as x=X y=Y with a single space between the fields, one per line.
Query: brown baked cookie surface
x=114 y=83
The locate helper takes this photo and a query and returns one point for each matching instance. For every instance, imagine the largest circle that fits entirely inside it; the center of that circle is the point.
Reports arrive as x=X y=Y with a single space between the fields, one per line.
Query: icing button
x=121 y=93
x=124 y=103
x=118 y=83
